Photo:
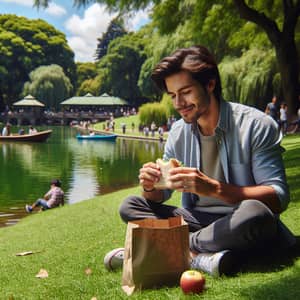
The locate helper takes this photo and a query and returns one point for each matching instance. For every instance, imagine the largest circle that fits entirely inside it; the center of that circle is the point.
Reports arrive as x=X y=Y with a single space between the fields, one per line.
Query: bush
x=167 y=103
x=153 y=112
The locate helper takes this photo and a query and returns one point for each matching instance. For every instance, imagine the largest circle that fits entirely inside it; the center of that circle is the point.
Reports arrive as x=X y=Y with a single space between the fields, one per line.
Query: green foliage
x=121 y=67
x=92 y=86
x=153 y=112
x=26 y=44
x=248 y=79
x=50 y=84
x=167 y=15
x=145 y=83
x=166 y=102
x=246 y=35
x=156 y=47
x=85 y=71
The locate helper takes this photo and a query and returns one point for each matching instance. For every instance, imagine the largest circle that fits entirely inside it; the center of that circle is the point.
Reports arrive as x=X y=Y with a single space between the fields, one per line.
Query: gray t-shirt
x=211 y=166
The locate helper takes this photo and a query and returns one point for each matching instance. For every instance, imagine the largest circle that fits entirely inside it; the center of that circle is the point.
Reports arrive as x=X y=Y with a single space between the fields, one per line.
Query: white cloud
x=84 y=51
x=55 y=10
x=85 y=31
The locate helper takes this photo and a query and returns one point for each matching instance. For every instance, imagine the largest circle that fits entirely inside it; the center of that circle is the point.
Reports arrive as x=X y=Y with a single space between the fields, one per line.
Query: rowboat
x=110 y=137
x=40 y=136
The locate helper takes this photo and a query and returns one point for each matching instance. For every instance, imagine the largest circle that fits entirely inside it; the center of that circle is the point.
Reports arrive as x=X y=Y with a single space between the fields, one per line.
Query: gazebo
x=30 y=110
x=28 y=101
x=102 y=104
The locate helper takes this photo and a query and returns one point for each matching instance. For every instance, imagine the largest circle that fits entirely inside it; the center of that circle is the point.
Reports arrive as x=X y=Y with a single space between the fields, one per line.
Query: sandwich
x=165 y=167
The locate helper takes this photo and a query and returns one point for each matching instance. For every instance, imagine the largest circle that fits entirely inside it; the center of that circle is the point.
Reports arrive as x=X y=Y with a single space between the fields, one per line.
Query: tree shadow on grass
x=270 y=260
x=282 y=287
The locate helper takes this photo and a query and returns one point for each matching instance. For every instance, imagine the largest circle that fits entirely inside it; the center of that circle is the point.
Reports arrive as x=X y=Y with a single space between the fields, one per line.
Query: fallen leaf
x=42 y=274
x=94 y=298
x=88 y=271
x=24 y=253
x=27 y=253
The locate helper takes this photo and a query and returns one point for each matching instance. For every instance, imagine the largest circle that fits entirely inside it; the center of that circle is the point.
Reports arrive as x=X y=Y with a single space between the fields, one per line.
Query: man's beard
x=199 y=111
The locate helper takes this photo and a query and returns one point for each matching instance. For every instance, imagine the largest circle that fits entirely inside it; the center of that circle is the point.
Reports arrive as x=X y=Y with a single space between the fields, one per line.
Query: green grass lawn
x=71 y=239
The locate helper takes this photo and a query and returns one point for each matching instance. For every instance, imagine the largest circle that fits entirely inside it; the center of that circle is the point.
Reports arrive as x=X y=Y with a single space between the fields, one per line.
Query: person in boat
x=32 y=130
x=6 y=130
x=92 y=133
x=21 y=131
x=53 y=198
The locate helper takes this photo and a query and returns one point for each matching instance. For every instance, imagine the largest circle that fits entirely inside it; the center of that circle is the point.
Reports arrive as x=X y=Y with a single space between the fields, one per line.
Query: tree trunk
x=287 y=58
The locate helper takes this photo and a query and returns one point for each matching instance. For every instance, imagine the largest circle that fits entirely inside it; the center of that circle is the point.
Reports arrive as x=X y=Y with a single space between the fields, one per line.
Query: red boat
x=40 y=136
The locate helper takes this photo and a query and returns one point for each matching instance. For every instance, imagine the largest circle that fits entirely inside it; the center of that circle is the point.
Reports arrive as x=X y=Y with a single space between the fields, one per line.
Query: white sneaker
x=28 y=208
x=113 y=260
x=214 y=264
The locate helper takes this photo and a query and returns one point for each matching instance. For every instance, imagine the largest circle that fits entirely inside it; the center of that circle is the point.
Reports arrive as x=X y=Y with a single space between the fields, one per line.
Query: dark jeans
x=250 y=225
x=42 y=203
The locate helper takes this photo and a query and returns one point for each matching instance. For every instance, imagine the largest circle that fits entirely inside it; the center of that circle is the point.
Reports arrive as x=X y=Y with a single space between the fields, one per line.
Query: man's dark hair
x=197 y=60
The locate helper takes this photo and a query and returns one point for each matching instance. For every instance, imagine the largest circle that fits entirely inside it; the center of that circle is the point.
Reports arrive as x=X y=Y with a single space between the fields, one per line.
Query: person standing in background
x=283 y=117
x=272 y=109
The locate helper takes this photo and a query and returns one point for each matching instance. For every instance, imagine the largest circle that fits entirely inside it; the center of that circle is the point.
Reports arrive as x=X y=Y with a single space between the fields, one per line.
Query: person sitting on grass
x=53 y=198
x=232 y=177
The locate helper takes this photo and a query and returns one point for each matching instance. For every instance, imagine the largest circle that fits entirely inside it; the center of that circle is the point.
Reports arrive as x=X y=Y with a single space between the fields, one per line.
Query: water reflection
x=85 y=181
x=86 y=168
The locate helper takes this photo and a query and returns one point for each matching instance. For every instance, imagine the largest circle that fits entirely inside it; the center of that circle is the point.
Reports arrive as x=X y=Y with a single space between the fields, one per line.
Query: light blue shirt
x=249 y=149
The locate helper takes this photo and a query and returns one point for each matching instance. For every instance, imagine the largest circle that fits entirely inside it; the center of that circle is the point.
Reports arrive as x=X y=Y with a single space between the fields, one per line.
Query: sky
x=82 y=26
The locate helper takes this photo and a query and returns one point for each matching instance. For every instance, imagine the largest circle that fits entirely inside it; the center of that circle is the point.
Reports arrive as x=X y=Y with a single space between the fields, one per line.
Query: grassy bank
x=67 y=241
x=129 y=130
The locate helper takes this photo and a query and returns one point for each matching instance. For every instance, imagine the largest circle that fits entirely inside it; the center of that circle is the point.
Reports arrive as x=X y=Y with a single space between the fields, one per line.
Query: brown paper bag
x=156 y=253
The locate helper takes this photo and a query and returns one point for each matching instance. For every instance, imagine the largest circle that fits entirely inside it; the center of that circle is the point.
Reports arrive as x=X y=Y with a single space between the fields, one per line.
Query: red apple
x=192 y=281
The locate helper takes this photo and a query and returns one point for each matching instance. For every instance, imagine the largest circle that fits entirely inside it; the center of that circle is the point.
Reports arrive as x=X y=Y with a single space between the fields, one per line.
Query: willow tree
x=50 y=84
x=249 y=78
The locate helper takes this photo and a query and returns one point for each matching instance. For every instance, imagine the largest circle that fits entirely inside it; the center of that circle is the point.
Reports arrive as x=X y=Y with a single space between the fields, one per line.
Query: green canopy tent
x=89 y=100
x=104 y=104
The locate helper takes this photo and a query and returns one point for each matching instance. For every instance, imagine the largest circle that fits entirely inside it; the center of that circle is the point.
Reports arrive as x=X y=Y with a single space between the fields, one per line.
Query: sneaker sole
x=227 y=264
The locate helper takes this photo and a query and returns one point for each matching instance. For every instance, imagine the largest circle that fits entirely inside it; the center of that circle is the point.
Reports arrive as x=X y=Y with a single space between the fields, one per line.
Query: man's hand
x=191 y=180
x=149 y=175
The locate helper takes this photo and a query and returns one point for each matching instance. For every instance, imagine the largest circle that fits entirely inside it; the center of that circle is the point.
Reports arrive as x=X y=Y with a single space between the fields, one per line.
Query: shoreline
x=126 y=136
x=12 y=215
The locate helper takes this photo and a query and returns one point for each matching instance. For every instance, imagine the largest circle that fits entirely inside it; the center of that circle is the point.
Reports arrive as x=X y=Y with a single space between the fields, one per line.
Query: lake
x=86 y=168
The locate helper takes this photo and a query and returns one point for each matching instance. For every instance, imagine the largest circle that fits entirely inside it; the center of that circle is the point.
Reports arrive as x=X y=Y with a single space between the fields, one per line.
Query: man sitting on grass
x=53 y=198
x=232 y=181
